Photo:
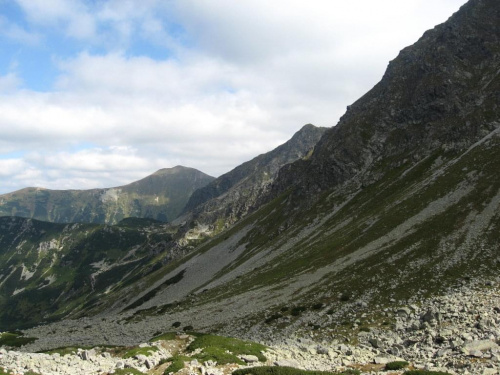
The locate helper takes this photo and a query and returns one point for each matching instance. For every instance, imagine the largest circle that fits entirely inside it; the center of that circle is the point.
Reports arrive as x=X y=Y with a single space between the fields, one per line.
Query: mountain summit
x=160 y=196
x=441 y=92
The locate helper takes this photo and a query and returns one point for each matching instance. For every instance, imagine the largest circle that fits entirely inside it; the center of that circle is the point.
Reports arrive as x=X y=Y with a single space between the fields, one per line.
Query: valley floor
x=458 y=333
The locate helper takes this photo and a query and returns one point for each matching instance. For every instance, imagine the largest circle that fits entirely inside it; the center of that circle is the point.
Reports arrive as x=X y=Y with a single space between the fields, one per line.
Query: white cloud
x=17 y=33
x=73 y=16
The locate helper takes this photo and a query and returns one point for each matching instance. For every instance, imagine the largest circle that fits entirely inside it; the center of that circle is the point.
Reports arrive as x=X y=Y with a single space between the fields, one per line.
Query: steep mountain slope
x=160 y=196
x=442 y=92
x=48 y=269
x=233 y=195
x=398 y=202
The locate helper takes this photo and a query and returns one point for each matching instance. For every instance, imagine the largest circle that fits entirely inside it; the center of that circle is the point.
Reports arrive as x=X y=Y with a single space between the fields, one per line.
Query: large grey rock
x=480 y=345
x=249 y=358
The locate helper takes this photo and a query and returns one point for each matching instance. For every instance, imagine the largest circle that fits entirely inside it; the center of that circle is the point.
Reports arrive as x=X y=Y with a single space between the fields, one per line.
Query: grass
x=215 y=347
x=65 y=350
x=165 y=336
x=425 y=372
x=147 y=351
x=219 y=355
x=272 y=370
x=128 y=371
x=15 y=340
x=177 y=364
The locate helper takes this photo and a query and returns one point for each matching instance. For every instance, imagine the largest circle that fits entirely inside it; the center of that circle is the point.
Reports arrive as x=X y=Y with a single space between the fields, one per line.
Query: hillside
x=160 y=196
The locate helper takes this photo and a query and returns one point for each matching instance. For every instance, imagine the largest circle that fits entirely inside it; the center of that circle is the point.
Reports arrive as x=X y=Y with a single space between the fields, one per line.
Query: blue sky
x=99 y=93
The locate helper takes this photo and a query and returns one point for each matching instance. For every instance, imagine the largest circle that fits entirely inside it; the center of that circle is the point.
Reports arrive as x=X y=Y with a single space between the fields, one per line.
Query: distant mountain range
x=399 y=201
x=160 y=196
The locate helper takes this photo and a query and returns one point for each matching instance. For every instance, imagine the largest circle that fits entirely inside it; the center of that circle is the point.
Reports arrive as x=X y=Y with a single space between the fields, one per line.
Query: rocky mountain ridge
x=440 y=93
x=235 y=194
x=160 y=196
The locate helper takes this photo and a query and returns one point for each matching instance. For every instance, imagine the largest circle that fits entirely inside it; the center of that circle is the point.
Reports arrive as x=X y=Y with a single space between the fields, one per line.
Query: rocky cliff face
x=442 y=92
x=233 y=195
x=160 y=196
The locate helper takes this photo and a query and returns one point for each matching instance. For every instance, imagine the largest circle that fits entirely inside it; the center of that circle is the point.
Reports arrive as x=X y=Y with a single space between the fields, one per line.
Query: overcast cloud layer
x=102 y=93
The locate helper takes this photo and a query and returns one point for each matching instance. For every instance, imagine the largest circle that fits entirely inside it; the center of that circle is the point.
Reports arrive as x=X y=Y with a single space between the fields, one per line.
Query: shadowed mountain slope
x=235 y=194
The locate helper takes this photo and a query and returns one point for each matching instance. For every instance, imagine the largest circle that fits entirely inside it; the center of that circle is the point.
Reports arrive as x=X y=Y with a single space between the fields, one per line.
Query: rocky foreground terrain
x=457 y=333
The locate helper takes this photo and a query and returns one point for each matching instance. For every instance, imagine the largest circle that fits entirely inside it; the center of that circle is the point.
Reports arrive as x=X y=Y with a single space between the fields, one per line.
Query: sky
x=100 y=93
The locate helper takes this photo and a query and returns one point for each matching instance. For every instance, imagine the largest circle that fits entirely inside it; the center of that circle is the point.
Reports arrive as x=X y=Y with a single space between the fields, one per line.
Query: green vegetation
x=177 y=363
x=15 y=340
x=396 y=365
x=274 y=370
x=66 y=350
x=147 y=351
x=128 y=371
x=219 y=355
x=425 y=372
x=297 y=310
x=216 y=348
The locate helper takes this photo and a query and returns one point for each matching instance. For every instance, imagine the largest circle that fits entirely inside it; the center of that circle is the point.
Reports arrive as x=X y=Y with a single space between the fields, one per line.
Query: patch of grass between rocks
x=272 y=370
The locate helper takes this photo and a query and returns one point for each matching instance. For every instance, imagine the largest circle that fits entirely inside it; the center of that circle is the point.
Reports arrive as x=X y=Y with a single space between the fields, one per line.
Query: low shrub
x=273 y=317
x=235 y=346
x=396 y=365
x=15 y=340
x=177 y=363
x=297 y=310
x=425 y=372
x=128 y=371
x=275 y=370
x=147 y=351
x=317 y=306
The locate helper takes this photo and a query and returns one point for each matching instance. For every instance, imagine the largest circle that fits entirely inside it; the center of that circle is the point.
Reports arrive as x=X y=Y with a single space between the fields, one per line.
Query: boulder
x=249 y=358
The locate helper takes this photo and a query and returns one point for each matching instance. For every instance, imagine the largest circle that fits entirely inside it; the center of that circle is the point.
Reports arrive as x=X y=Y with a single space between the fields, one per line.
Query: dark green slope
x=160 y=196
x=49 y=269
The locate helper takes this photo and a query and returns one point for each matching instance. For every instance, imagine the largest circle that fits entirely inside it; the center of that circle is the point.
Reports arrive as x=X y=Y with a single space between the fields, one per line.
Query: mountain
x=160 y=196
x=235 y=194
x=397 y=203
